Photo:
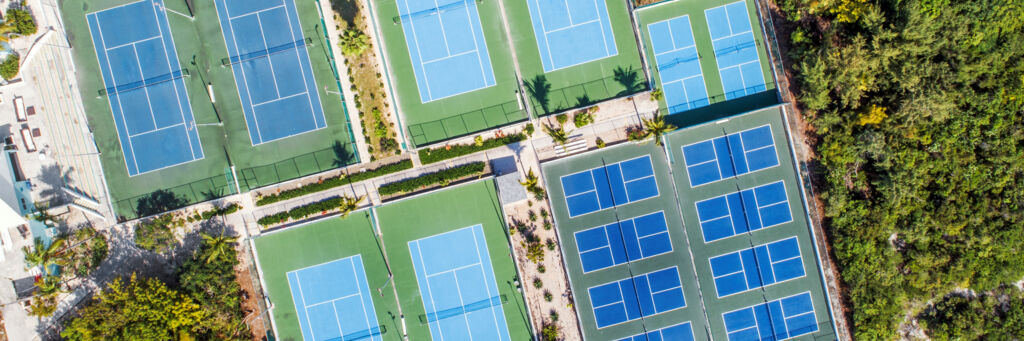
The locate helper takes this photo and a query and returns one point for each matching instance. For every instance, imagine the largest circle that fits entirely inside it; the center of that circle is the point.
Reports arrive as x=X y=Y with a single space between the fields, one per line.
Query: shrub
x=599 y=142
x=21 y=20
x=548 y=296
x=554 y=316
x=157 y=234
x=541 y=268
x=537 y=283
x=335 y=182
x=583 y=118
x=443 y=177
x=221 y=211
x=303 y=211
x=549 y=332
x=428 y=156
x=529 y=129
x=9 y=67
x=550 y=244
x=534 y=251
x=561 y=118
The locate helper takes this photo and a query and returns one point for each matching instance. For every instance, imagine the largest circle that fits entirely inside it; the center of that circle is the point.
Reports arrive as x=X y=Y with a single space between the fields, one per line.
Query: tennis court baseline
x=447 y=47
x=731 y=155
x=756 y=267
x=735 y=49
x=740 y=212
x=571 y=32
x=629 y=240
x=457 y=285
x=333 y=302
x=679 y=332
x=675 y=52
x=776 y=320
x=640 y=296
x=143 y=84
x=608 y=186
x=268 y=56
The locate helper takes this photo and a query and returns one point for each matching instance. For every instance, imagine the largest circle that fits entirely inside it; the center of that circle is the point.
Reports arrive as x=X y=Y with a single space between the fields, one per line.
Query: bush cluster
x=335 y=182
x=441 y=177
x=428 y=156
x=301 y=212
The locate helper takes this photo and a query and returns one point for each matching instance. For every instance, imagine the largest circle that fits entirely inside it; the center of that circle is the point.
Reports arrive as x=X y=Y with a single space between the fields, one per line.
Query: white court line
x=181 y=108
x=571 y=26
x=280 y=98
x=452 y=270
x=263 y=36
x=256 y=12
x=298 y=59
x=362 y=302
x=448 y=57
x=430 y=293
x=604 y=40
x=305 y=308
x=245 y=80
x=440 y=21
x=733 y=35
x=419 y=54
x=145 y=87
x=120 y=107
x=462 y=303
x=156 y=130
x=333 y=299
x=131 y=43
x=487 y=283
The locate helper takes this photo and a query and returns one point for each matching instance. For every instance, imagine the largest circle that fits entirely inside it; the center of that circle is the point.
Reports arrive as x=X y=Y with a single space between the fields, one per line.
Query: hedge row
x=301 y=212
x=441 y=177
x=333 y=182
x=428 y=156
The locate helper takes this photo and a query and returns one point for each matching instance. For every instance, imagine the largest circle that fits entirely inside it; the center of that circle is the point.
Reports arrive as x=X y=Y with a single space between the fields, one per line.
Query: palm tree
x=48 y=285
x=559 y=134
x=43 y=214
x=354 y=42
x=531 y=180
x=218 y=246
x=45 y=256
x=655 y=127
x=657 y=94
x=348 y=205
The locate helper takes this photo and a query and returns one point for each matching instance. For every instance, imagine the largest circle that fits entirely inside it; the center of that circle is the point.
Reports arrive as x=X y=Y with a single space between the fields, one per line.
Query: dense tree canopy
x=995 y=316
x=917 y=112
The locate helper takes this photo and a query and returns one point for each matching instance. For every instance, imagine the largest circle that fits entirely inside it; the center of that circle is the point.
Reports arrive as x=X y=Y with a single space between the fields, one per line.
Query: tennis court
x=446 y=42
x=609 y=186
x=268 y=56
x=625 y=241
x=735 y=49
x=458 y=287
x=679 y=332
x=757 y=267
x=678 y=64
x=740 y=212
x=643 y=295
x=144 y=87
x=731 y=155
x=333 y=302
x=571 y=32
x=774 y=320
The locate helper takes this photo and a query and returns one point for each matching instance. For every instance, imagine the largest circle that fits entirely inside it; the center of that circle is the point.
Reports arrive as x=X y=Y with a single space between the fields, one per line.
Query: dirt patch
x=255 y=317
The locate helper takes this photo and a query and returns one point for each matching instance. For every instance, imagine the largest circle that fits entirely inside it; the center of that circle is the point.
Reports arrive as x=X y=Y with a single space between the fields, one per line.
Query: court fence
x=169 y=199
x=702 y=102
x=467 y=123
x=337 y=156
x=585 y=94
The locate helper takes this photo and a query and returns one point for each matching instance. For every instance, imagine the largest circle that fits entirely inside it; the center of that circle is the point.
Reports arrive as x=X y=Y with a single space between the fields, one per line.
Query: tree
x=21 y=21
x=218 y=246
x=558 y=134
x=139 y=309
x=9 y=67
x=45 y=256
x=349 y=205
x=532 y=185
x=354 y=42
x=212 y=285
x=654 y=128
x=657 y=94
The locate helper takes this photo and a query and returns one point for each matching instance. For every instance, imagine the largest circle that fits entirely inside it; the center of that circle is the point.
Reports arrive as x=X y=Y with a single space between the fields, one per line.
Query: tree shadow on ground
x=629 y=79
x=159 y=201
x=54 y=177
x=347 y=10
x=540 y=89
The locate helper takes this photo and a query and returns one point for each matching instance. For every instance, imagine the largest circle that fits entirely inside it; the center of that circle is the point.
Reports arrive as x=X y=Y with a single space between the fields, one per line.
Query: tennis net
x=458 y=311
x=265 y=53
x=433 y=11
x=164 y=78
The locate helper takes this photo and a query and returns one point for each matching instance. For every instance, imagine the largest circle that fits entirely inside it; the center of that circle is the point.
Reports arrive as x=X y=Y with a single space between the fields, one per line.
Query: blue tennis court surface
x=678 y=64
x=679 y=332
x=735 y=49
x=333 y=302
x=447 y=47
x=628 y=240
x=457 y=285
x=641 y=296
x=774 y=320
x=144 y=86
x=757 y=267
x=748 y=210
x=731 y=155
x=571 y=32
x=268 y=56
x=608 y=186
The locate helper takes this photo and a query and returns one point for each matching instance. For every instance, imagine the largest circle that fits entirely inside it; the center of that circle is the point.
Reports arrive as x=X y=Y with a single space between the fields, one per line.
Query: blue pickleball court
x=731 y=155
x=273 y=74
x=757 y=267
x=143 y=84
x=747 y=210
x=641 y=296
x=679 y=332
x=626 y=241
x=334 y=302
x=609 y=186
x=458 y=287
x=571 y=32
x=774 y=320
x=447 y=47
x=678 y=64
x=735 y=49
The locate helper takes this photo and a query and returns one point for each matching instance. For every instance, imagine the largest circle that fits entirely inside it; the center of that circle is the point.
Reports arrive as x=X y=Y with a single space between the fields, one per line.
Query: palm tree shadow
x=342 y=155
x=159 y=201
x=540 y=89
x=55 y=177
x=629 y=79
